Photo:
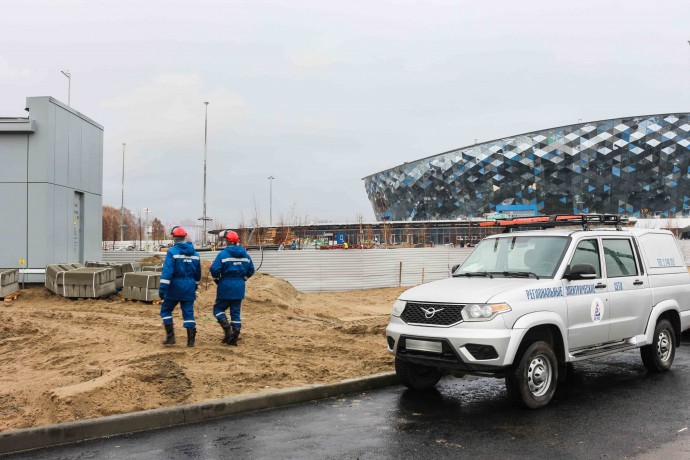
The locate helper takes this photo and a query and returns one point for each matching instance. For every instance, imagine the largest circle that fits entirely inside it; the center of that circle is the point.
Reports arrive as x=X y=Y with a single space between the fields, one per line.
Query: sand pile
x=66 y=360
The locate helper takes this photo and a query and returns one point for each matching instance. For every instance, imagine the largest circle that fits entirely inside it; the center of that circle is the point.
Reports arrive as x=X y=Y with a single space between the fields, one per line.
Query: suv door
x=587 y=300
x=629 y=294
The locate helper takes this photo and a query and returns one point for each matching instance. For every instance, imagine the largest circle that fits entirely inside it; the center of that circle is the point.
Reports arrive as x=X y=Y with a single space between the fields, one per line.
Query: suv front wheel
x=533 y=379
x=658 y=356
x=416 y=376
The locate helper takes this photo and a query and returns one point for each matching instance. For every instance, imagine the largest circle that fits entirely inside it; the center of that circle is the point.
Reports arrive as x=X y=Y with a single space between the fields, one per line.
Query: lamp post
x=204 y=218
x=270 y=201
x=122 y=204
x=146 y=211
x=68 y=74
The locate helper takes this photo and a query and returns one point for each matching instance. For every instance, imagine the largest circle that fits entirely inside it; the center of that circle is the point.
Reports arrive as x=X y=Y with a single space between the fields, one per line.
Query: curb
x=71 y=432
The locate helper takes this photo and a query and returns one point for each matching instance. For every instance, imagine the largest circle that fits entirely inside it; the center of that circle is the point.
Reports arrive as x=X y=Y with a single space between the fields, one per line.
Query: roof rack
x=557 y=220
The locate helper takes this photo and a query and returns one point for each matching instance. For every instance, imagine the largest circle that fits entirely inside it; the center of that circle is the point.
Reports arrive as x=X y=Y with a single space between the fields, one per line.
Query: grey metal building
x=51 y=186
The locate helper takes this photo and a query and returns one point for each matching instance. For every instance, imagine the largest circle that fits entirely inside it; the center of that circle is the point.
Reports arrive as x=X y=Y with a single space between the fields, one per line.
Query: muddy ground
x=64 y=359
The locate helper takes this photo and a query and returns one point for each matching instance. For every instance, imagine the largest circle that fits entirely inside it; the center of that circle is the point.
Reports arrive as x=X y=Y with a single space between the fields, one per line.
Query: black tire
x=417 y=376
x=658 y=357
x=534 y=377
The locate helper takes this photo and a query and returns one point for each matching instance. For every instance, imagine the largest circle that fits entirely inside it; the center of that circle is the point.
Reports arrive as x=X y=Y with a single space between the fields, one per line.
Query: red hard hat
x=178 y=232
x=232 y=237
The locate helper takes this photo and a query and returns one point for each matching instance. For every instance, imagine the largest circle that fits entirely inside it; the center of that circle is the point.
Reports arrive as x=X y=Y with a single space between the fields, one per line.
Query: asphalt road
x=609 y=408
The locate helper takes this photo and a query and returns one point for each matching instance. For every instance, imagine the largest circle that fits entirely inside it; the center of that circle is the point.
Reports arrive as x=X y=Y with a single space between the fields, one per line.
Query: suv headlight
x=398 y=307
x=484 y=311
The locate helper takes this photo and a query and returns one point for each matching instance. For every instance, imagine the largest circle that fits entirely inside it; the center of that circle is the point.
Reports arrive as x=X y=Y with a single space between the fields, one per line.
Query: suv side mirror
x=580 y=272
x=455 y=267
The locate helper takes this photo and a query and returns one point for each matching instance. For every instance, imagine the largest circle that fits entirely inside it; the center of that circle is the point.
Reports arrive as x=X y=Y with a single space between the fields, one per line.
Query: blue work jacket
x=229 y=270
x=181 y=273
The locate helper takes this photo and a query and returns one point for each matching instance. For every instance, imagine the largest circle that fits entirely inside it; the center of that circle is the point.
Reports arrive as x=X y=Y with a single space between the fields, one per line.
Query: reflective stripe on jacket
x=181 y=273
x=231 y=266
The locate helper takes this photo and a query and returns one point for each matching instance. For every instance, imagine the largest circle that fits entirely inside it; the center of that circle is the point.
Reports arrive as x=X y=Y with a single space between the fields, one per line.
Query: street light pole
x=146 y=211
x=68 y=74
x=203 y=217
x=270 y=202
x=122 y=204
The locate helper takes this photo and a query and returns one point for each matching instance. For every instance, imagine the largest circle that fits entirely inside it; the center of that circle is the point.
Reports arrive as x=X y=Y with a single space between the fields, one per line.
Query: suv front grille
x=436 y=314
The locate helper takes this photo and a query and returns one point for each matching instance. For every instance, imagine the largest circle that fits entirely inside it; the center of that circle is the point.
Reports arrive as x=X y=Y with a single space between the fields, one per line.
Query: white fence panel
x=337 y=270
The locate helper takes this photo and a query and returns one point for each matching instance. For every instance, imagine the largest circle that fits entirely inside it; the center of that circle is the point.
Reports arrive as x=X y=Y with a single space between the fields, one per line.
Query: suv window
x=619 y=258
x=513 y=255
x=587 y=252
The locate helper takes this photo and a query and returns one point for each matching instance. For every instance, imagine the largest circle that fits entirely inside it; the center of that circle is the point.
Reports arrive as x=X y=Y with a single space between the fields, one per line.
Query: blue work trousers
x=235 y=305
x=187 y=307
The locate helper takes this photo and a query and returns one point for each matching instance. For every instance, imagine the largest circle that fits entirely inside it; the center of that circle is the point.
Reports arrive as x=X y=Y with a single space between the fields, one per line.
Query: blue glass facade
x=634 y=165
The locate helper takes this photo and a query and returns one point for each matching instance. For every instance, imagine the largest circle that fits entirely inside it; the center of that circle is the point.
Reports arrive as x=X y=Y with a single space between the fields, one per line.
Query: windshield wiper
x=520 y=274
x=471 y=274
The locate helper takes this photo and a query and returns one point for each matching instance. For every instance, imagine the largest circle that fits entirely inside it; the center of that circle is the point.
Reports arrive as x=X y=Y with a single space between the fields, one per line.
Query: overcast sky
x=322 y=93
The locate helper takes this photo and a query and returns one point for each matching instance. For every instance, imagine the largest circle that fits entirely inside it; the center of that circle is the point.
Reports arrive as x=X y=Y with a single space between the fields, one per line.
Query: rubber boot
x=169 y=335
x=227 y=329
x=234 y=337
x=191 y=336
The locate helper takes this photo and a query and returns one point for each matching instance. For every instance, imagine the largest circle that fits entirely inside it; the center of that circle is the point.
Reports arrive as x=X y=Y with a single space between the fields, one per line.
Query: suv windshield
x=515 y=256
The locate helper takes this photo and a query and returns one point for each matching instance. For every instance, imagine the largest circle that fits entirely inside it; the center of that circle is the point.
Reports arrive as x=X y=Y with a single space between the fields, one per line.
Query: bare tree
x=157 y=230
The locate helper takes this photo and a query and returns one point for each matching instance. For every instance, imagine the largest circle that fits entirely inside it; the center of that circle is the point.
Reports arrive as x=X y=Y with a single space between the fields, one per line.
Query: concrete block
x=9 y=289
x=141 y=286
x=152 y=268
x=8 y=276
x=74 y=280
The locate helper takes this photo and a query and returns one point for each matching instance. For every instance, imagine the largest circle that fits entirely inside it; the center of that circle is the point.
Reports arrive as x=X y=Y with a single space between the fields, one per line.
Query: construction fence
x=345 y=270
x=342 y=270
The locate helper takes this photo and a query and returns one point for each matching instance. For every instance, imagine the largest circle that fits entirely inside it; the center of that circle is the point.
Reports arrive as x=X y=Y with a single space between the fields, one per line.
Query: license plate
x=424 y=345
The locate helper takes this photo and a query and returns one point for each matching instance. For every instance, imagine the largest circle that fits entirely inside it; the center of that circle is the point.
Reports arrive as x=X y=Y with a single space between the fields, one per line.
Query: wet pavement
x=609 y=408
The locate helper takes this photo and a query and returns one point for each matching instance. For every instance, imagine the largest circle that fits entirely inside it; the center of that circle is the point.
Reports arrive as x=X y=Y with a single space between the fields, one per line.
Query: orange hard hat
x=178 y=232
x=232 y=236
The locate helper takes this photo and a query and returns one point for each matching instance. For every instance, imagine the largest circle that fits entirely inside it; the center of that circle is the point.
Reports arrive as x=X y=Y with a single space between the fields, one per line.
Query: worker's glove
x=161 y=295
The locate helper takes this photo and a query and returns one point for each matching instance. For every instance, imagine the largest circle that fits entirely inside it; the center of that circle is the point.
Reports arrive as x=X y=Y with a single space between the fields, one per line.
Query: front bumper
x=482 y=348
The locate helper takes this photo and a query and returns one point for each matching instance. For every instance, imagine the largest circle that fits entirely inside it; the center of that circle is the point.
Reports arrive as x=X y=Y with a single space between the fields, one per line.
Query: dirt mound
x=95 y=357
x=263 y=288
x=152 y=260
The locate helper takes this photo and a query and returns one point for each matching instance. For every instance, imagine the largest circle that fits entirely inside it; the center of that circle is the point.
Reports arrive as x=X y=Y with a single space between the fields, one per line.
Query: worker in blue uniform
x=179 y=281
x=230 y=270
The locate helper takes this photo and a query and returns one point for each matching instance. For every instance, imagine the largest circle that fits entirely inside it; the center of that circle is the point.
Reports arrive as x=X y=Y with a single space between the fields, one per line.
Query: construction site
x=91 y=357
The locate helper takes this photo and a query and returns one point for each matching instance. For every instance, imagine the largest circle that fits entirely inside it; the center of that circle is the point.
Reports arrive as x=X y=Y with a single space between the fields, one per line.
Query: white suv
x=524 y=304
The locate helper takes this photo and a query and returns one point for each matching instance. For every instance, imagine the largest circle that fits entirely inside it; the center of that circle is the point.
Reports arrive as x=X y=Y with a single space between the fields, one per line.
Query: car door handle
x=600 y=285
x=638 y=282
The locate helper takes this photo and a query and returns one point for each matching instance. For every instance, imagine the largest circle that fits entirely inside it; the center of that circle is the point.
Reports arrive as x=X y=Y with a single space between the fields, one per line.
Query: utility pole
x=146 y=211
x=203 y=218
x=270 y=201
x=68 y=74
x=122 y=205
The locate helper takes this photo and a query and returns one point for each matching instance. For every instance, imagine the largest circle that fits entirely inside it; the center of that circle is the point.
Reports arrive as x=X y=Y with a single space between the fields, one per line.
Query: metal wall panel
x=93 y=225
x=62 y=224
x=13 y=157
x=91 y=154
x=61 y=147
x=42 y=141
x=13 y=212
x=75 y=156
x=41 y=208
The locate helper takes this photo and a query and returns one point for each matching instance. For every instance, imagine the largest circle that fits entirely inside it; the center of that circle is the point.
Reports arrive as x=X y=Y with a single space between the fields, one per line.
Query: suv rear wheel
x=658 y=356
x=417 y=376
x=534 y=377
